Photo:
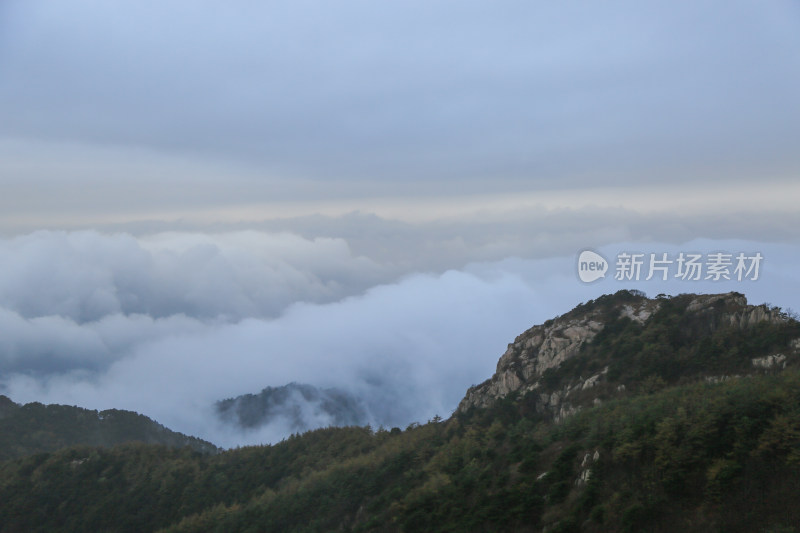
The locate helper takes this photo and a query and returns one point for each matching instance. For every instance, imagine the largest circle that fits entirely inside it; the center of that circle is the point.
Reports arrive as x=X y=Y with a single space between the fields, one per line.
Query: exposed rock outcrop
x=548 y=346
x=771 y=361
x=533 y=352
x=586 y=469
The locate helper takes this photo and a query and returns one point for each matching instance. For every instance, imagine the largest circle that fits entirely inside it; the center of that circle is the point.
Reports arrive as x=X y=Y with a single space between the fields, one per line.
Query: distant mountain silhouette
x=299 y=405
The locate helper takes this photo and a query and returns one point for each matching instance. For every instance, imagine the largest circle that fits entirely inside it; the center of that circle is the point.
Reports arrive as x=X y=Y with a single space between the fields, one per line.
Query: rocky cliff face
x=547 y=346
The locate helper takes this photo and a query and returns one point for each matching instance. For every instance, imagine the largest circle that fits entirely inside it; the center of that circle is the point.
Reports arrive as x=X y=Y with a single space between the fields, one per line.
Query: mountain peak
x=600 y=336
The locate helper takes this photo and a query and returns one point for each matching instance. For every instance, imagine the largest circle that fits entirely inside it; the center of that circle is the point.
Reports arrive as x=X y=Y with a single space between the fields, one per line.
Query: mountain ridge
x=31 y=428
x=536 y=354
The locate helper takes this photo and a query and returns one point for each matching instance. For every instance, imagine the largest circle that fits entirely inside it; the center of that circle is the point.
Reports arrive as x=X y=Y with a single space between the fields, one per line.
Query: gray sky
x=166 y=109
x=199 y=200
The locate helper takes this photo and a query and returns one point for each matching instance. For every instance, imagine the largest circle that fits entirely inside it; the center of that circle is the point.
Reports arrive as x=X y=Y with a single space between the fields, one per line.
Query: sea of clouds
x=167 y=324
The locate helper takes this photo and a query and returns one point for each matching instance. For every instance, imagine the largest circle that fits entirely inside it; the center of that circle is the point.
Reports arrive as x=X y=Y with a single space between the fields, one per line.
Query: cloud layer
x=409 y=349
x=85 y=276
x=169 y=324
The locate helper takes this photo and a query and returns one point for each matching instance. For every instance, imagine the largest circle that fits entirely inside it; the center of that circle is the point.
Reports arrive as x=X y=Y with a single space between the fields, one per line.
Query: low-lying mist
x=170 y=324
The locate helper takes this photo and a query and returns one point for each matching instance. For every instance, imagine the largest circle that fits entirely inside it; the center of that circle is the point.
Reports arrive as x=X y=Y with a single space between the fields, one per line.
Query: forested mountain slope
x=34 y=428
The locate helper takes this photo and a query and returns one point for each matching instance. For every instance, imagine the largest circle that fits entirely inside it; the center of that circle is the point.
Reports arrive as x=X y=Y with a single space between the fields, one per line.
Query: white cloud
x=409 y=348
x=85 y=276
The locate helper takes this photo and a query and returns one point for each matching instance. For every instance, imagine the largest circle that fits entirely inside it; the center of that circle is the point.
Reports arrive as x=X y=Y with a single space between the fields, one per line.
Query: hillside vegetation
x=35 y=427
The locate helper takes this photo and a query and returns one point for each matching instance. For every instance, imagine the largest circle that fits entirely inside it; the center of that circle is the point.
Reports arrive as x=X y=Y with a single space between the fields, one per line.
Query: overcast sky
x=156 y=108
x=292 y=182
